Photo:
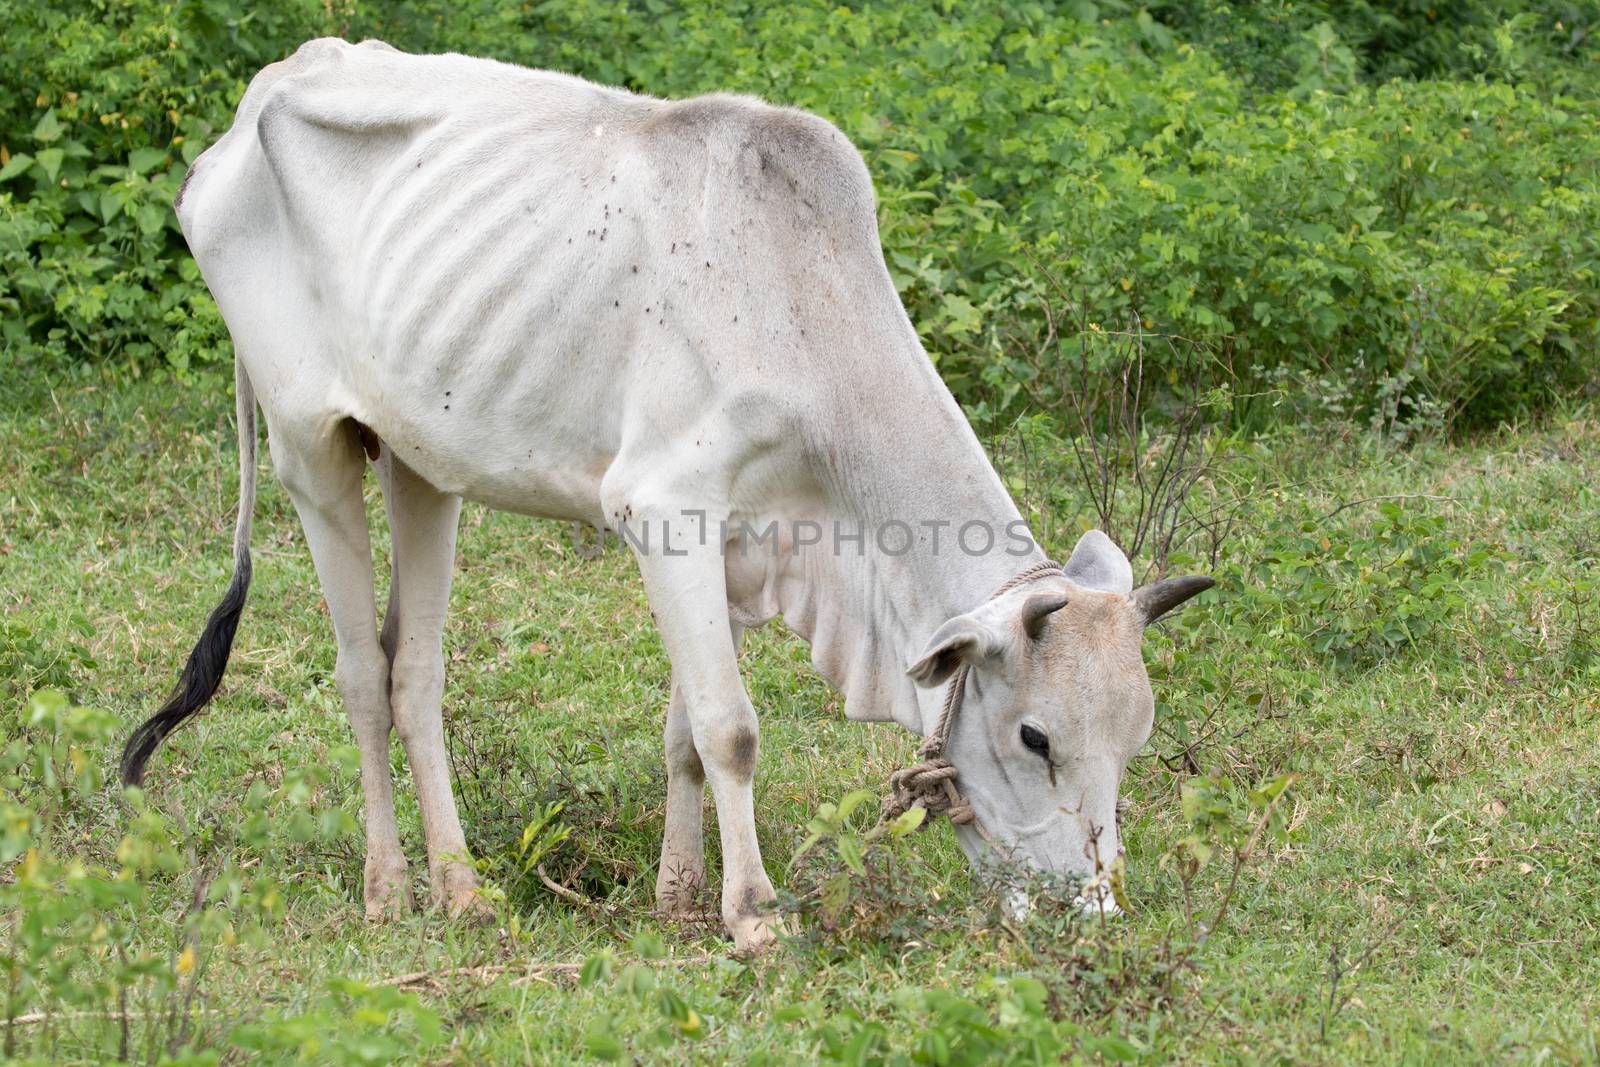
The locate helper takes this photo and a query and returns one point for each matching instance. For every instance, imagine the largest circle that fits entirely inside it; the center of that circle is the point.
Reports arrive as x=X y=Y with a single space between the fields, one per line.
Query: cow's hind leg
x=681 y=877
x=422 y=523
x=322 y=470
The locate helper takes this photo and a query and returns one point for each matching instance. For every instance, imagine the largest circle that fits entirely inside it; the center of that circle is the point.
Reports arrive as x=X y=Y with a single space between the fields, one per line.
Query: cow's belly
x=524 y=474
x=531 y=430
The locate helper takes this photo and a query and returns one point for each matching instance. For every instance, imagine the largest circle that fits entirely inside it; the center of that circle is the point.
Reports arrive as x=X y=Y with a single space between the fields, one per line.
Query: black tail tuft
x=200 y=678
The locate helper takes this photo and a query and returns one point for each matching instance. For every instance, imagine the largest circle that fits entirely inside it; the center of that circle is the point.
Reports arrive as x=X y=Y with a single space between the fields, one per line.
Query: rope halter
x=931 y=784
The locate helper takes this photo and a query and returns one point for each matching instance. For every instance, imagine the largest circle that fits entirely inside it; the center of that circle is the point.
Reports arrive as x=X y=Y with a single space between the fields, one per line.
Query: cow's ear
x=1097 y=563
x=1154 y=601
x=962 y=640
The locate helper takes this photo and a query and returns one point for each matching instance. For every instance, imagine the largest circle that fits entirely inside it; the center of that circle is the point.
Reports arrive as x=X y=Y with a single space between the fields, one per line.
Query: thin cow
x=668 y=319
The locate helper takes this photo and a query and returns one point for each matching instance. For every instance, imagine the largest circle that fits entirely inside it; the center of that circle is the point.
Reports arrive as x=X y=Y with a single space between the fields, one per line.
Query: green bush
x=1243 y=179
x=1437 y=238
x=105 y=105
x=1408 y=38
x=1362 y=594
x=106 y=908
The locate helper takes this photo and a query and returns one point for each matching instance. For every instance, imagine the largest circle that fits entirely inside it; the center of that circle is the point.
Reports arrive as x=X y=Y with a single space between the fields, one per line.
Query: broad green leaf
x=1111 y=1047
x=852 y=801
x=603 y=1045
x=48 y=128
x=850 y=852
x=151 y=218
x=50 y=159
x=597 y=968
x=19 y=163
x=144 y=160
x=647 y=945
x=907 y=821
x=960 y=315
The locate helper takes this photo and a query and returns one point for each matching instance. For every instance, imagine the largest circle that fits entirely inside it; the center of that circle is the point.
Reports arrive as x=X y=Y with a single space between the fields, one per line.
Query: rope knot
x=929 y=785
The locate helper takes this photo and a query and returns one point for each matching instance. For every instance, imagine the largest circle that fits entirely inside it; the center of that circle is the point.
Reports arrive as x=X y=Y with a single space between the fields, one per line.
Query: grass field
x=1413 y=634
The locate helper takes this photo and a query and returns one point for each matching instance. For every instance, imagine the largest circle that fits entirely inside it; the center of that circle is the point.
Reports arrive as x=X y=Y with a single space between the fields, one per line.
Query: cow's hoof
x=456 y=888
x=688 y=915
x=682 y=898
x=387 y=892
x=472 y=908
x=756 y=935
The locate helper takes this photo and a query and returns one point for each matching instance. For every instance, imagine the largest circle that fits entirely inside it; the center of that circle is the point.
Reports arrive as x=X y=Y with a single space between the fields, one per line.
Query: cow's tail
x=203 y=673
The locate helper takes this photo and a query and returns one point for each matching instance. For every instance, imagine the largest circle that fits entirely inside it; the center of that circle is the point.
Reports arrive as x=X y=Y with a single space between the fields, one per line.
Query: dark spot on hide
x=177 y=201
x=751 y=904
x=742 y=753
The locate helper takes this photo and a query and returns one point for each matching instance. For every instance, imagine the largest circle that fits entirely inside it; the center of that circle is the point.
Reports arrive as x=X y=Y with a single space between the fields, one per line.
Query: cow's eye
x=1034 y=740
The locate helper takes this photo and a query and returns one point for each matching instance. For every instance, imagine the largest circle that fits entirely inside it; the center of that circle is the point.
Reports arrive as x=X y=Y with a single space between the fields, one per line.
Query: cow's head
x=1056 y=704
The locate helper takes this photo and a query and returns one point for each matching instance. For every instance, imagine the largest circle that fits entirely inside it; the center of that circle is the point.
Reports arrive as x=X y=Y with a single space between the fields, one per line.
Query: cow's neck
x=868 y=616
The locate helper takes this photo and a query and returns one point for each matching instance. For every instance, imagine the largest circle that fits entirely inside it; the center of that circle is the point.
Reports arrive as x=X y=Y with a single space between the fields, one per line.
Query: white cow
x=666 y=318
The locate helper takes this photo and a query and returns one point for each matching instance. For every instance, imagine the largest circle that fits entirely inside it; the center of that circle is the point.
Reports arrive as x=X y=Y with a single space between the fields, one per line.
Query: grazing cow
x=668 y=319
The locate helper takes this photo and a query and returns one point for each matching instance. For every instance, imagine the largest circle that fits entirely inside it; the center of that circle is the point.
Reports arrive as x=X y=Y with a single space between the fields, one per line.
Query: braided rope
x=931 y=783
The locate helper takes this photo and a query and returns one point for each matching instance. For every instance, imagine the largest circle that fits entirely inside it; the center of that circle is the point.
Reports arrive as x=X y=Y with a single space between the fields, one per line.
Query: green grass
x=1444 y=820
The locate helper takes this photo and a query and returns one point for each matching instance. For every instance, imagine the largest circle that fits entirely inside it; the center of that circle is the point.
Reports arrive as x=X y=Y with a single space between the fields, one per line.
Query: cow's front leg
x=684 y=579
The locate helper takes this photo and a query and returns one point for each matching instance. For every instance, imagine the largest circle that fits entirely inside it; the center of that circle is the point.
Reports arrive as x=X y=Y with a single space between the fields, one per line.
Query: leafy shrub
x=1358 y=593
x=352 y=1023
x=1411 y=38
x=79 y=949
x=39 y=650
x=1007 y=1022
x=105 y=106
x=853 y=890
x=661 y=1017
x=1431 y=243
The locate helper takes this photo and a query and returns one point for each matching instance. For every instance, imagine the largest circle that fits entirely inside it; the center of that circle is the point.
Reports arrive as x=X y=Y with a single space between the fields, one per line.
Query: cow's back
x=514 y=276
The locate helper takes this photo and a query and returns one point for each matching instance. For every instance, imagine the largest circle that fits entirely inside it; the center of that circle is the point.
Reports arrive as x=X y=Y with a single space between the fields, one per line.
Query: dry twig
x=33 y=1018
x=525 y=972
